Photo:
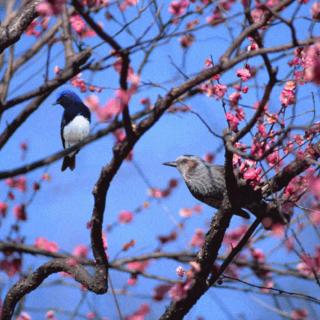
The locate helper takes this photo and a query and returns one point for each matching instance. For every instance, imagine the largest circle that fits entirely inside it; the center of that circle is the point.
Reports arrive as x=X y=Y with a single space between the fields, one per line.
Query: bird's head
x=67 y=98
x=187 y=165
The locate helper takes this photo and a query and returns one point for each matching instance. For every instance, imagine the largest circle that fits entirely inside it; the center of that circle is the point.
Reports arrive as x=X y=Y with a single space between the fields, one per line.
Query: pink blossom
x=125 y=216
x=180 y=271
x=140 y=314
x=287 y=95
x=50 y=315
x=44 y=244
x=178 y=292
x=315 y=11
x=50 y=7
x=24 y=316
x=81 y=251
x=78 y=82
x=91 y=315
x=219 y=90
x=315 y=217
x=19 y=183
x=160 y=291
x=232 y=237
x=268 y=284
x=80 y=27
x=178 y=7
x=3 y=208
x=299 y=314
x=197 y=239
x=234 y=98
x=252 y=174
x=138 y=266
x=185 y=212
x=233 y=121
x=186 y=40
x=92 y=102
x=258 y=255
x=11 y=267
x=311 y=63
x=127 y=3
x=244 y=73
x=310 y=265
x=19 y=212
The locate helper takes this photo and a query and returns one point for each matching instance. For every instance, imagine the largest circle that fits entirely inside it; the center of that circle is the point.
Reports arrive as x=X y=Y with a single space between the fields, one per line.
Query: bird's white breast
x=76 y=130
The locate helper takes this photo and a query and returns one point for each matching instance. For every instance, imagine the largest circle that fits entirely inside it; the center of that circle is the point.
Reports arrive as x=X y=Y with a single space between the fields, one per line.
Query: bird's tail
x=270 y=214
x=69 y=162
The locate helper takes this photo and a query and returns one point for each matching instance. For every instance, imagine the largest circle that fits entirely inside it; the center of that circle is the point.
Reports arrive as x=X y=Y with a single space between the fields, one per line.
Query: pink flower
x=91 y=315
x=315 y=217
x=299 y=314
x=127 y=3
x=287 y=95
x=50 y=315
x=19 y=212
x=80 y=27
x=234 y=98
x=3 y=208
x=311 y=63
x=178 y=7
x=310 y=265
x=50 y=7
x=233 y=121
x=245 y=73
x=315 y=11
x=186 y=40
x=44 y=244
x=232 y=237
x=219 y=90
x=19 y=183
x=197 y=239
x=180 y=271
x=81 y=251
x=258 y=255
x=140 y=314
x=125 y=217
x=24 y=316
x=185 y=212
x=11 y=267
x=92 y=102
x=138 y=266
x=160 y=291
x=252 y=174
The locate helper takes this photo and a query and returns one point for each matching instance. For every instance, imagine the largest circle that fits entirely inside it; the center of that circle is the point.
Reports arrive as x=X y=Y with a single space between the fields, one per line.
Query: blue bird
x=75 y=124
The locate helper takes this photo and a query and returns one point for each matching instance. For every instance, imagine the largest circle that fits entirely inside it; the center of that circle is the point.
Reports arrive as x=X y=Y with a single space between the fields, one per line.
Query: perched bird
x=206 y=183
x=75 y=124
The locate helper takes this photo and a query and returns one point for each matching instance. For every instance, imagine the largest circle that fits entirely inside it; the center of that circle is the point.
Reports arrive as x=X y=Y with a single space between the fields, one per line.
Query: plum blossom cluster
x=80 y=27
x=179 y=290
x=306 y=63
x=78 y=82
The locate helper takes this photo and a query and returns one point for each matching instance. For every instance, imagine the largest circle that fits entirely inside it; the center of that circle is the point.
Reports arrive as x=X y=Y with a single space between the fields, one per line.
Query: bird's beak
x=170 y=164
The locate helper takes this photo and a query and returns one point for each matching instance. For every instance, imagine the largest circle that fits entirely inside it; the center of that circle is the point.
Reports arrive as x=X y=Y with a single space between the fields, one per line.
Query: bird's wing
x=63 y=123
x=84 y=110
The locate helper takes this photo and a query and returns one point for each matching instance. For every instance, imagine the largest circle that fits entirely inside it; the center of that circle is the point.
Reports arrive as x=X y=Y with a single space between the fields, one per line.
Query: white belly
x=75 y=131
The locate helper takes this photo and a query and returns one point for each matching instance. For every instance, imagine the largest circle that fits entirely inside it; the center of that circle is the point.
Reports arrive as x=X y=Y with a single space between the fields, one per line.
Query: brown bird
x=206 y=183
